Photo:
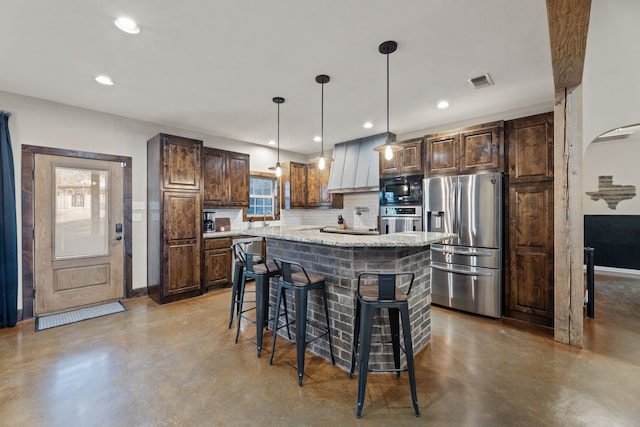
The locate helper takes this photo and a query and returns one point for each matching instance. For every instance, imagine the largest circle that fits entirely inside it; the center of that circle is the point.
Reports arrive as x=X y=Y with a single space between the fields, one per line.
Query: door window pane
x=81 y=212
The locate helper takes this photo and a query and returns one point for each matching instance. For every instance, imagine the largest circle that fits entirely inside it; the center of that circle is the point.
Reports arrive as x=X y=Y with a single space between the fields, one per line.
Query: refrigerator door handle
x=460 y=271
x=467 y=252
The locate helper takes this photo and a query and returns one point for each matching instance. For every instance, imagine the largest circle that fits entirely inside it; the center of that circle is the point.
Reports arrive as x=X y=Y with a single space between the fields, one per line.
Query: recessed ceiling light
x=367 y=125
x=272 y=142
x=443 y=104
x=127 y=25
x=317 y=138
x=104 y=80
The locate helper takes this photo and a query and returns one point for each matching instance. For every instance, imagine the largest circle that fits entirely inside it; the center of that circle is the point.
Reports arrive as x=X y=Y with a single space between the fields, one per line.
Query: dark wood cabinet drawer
x=217 y=243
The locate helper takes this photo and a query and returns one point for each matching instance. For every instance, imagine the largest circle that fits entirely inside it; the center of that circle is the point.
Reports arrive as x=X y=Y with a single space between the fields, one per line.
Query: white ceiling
x=214 y=66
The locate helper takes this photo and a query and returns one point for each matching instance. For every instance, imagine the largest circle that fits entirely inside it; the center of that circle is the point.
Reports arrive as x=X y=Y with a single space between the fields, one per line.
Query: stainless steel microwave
x=401 y=190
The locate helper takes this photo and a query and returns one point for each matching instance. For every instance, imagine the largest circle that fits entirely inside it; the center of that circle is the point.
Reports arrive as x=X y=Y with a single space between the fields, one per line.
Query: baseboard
x=614 y=271
x=137 y=292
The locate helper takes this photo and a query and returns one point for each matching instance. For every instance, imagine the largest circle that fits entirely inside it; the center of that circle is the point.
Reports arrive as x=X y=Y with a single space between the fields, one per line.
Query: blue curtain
x=8 y=230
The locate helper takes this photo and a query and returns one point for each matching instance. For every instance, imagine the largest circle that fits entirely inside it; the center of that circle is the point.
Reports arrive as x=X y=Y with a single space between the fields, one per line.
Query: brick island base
x=341 y=266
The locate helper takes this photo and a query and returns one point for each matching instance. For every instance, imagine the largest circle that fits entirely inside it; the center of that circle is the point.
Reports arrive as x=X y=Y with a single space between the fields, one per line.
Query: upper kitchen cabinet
x=405 y=162
x=530 y=141
x=226 y=178
x=482 y=148
x=318 y=195
x=306 y=186
x=174 y=222
x=466 y=151
x=180 y=162
x=442 y=154
x=295 y=184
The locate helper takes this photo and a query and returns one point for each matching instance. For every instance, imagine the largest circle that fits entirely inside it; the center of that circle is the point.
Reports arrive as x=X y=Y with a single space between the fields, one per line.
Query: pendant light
x=388 y=147
x=278 y=168
x=322 y=161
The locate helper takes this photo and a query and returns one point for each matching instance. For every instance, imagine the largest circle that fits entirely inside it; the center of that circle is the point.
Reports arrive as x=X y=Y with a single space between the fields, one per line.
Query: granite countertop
x=230 y=233
x=312 y=234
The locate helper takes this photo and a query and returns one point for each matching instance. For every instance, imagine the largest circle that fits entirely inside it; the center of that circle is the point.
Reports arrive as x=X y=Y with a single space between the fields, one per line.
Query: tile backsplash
x=366 y=204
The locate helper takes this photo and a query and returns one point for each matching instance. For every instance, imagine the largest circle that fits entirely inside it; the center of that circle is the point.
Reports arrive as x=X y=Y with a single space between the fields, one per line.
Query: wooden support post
x=568 y=27
x=568 y=217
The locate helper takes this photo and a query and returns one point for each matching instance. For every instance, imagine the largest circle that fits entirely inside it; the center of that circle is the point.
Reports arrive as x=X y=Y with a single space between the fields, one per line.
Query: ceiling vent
x=481 y=81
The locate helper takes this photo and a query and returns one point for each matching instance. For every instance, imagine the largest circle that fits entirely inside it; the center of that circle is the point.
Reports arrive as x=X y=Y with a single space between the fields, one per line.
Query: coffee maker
x=208 y=220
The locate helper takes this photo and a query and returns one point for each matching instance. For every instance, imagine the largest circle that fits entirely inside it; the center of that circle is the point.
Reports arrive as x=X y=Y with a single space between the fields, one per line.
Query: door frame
x=28 y=164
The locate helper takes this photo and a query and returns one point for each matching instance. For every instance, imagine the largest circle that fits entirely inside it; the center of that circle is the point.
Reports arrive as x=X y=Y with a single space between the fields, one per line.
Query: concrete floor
x=177 y=365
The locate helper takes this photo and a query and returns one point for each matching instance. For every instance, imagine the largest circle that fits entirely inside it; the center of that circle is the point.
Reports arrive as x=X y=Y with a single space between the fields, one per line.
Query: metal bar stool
x=295 y=278
x=238 y=268
x=380 y=291
x=256 y=268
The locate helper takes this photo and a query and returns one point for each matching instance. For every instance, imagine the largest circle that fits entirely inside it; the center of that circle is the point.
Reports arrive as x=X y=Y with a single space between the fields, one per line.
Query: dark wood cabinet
x=466 y=151
x=226 y=178
x=216 y=192
x=405 y=162
x=174 y=222
x=181 y=164
x=482 y=149
x=306 y=186
x=530 y=242
x=318 y=195
x=297 y=183
x=530 y=149
x=442 y=154
x=217 y=262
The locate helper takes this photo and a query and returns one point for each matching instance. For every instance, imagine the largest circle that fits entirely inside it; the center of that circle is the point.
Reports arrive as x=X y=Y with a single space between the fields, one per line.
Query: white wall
x=43 y=123
x=620 y=160
x=611 y=99
x=611 y=87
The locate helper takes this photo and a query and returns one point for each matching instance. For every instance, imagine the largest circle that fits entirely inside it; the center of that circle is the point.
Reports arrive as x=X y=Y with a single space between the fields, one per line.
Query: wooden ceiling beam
x=568 y=25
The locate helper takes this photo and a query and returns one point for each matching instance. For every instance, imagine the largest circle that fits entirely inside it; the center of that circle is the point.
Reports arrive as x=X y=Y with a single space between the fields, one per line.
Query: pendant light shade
x=322 y=161
x=388 y=148
x=278 y=168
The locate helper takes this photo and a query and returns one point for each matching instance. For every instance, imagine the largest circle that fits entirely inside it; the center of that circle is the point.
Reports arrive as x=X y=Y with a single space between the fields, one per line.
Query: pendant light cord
x=278 y=133
x=322 y=120
x=387 y=94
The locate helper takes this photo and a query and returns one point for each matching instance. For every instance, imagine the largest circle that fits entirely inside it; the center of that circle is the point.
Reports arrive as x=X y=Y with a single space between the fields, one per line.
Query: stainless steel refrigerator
x=466 y=271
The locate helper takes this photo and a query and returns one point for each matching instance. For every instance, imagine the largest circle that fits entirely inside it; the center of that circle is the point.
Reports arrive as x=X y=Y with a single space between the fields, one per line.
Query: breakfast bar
x=340 y=258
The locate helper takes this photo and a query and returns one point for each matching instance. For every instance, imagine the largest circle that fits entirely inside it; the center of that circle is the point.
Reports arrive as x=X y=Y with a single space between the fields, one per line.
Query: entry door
x=79 y=235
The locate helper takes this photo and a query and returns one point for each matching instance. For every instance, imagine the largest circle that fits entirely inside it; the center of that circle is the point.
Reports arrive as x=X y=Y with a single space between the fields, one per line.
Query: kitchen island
x=340 y=258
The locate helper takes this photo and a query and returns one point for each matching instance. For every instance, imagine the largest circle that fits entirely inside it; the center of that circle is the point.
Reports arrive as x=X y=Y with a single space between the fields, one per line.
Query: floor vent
x=481 y=81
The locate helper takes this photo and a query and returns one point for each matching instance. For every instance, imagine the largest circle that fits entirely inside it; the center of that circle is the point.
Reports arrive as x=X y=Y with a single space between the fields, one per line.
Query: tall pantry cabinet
x=174 y=224
x=529 y=290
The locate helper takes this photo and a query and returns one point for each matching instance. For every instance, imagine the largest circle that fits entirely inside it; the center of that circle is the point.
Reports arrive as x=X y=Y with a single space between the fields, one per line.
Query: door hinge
x=33 y=234
x=34 y=293
x=33 y=174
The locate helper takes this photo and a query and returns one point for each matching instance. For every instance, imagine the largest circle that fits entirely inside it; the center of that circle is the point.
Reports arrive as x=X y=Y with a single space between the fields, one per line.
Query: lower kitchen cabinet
x=216 y=262
x=529 y=290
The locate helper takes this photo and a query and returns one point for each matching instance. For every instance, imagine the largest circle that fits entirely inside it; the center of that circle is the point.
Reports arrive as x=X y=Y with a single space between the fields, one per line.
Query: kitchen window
x=263 y=197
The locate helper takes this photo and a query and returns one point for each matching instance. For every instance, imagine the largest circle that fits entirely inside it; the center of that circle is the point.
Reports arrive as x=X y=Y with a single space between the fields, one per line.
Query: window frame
x=276 y=196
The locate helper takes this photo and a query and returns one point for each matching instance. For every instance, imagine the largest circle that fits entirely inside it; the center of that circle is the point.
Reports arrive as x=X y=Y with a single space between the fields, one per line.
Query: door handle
x=460 y=271
x=118 y=237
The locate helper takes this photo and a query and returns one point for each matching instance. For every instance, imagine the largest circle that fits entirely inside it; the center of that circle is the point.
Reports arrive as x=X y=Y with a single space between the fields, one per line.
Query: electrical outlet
x=137 y=205
x=136 y=217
